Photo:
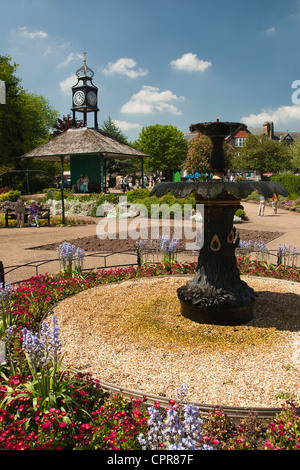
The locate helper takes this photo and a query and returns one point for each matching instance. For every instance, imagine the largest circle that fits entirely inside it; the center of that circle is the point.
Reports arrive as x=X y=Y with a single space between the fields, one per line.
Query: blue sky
x=161 y=61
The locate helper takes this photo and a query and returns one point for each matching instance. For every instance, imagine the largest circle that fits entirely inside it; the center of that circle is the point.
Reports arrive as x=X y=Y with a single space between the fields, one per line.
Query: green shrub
x=289 y=181
x=242 y=214
x=142 y=196
x=10 y=196
x=254 y=196
x=137 y=194
x=55 y=194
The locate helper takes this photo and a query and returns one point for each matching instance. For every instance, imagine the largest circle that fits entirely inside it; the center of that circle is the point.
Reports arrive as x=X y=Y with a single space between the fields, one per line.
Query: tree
x=295 y=161
x=115 y=166
x=264 y=155
x=62 y=125
x=166 y=147
x=110 y=128
x=199 y=152
x=25 y=119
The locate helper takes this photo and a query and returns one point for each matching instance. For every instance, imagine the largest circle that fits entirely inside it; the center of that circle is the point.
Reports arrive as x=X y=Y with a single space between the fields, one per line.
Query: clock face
x=91 y=98
x=78 y=98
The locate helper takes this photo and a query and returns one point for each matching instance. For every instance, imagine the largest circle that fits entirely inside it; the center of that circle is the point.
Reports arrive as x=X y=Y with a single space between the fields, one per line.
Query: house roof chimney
x=269 y=129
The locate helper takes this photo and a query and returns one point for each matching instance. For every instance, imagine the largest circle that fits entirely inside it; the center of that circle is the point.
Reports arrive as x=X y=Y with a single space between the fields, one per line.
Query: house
x=238 y=139
x=268 y=130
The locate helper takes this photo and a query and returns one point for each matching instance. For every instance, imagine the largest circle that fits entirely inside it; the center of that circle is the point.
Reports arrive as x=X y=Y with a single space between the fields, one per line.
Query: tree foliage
x=25 y=119
x=115 y=166
x=199 y=152
x=165 y=145
x=264 y=155
x=110 y=128
x=62 y=125
x=295 y=160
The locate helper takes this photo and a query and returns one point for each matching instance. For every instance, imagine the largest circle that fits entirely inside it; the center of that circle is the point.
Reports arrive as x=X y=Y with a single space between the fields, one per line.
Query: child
x=20 y=212
x=275 y=202
x=33 y=213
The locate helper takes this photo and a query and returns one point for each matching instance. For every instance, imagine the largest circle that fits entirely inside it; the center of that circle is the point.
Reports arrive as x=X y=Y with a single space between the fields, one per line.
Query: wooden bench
x=11 y=215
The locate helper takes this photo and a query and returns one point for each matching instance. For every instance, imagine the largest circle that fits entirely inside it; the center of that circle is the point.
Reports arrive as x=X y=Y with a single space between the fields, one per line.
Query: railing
x=37 y=265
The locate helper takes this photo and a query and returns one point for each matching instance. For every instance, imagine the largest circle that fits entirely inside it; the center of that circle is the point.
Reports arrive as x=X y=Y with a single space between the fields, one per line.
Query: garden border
x=204 y=408
x=36 y=264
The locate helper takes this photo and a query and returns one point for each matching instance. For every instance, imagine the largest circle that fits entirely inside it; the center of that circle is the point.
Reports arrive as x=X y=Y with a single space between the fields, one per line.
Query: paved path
x=286 y=222
x=16 y=244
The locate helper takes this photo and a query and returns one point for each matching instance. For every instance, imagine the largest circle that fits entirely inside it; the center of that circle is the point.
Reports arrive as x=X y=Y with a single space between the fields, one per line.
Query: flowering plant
x=43 y=354
x=6 y=317
x=68 y=254
x=173 y=432
x=199 y=153
x=166 y=247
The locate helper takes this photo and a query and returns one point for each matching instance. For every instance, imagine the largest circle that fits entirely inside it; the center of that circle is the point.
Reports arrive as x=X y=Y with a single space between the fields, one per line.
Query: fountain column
x=216 y=294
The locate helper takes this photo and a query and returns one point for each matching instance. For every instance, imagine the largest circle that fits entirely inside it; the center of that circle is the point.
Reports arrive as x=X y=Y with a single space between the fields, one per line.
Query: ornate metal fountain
x=216 y=294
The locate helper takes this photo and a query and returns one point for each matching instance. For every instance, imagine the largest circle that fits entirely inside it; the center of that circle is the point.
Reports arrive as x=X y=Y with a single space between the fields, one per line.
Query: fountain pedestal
x=216 y=294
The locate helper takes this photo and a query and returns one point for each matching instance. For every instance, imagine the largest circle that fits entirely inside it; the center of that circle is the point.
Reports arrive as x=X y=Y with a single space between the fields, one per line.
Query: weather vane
x=84 y=71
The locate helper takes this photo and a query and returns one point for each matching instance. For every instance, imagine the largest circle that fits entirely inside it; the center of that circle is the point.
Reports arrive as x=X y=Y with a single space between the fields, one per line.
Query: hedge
x=289 y=181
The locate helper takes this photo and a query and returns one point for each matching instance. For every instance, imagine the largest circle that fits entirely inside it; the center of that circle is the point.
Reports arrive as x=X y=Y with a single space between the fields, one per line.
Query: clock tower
x=85 y=94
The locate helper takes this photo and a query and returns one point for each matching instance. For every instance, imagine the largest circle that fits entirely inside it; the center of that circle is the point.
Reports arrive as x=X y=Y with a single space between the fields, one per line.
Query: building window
x=240 y=142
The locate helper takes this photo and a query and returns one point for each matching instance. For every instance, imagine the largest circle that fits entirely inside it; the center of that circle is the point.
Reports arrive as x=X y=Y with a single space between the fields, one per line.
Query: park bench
x=11 y=215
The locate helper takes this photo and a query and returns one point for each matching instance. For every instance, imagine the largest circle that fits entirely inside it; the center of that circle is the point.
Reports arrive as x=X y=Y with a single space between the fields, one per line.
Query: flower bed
x=78 y=414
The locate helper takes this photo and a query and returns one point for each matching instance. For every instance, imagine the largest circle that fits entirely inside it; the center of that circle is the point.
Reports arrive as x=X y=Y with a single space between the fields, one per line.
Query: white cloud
x=72 y=56
x=149 y=99
x=269 y=31
x=66 y=85
x=281 y=115
x=190 y=63
x=32 y=34
x=124 y=125
x=125 y=66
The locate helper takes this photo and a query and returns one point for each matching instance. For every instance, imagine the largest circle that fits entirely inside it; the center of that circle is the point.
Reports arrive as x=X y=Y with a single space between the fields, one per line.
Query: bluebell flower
x=5 y=293
x=172 y=433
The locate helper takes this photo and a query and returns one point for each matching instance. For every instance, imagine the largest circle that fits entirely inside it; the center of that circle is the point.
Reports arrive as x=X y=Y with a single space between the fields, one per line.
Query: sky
x=161 y=61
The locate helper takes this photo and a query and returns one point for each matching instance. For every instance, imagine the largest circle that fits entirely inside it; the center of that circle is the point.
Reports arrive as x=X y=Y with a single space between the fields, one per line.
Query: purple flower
x=5 y=293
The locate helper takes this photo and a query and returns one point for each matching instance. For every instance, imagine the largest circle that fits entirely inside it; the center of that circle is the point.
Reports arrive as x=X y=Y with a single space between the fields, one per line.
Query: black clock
x=78 y=98
x=91 y=98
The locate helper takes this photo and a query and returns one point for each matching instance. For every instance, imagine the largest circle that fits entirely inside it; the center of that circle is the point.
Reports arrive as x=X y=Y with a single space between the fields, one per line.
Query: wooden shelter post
x=62 y=189
x=28 y=188
x=102 y=175
x=142 y=161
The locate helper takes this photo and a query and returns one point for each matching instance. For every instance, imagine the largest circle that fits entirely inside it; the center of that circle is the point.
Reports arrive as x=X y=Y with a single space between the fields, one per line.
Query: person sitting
x=33 y=213
x=20 y=213
x=78 y=184
x=85 y=184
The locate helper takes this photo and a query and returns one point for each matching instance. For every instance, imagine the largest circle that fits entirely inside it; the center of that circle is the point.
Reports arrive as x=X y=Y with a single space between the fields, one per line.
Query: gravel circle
x=132 y=334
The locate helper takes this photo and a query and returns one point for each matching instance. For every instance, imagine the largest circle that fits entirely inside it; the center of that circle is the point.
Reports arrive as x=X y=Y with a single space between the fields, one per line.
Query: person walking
x=275 y=202
x=262 y=205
